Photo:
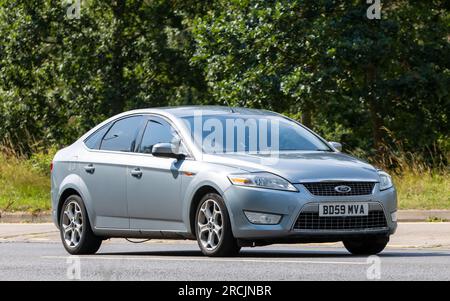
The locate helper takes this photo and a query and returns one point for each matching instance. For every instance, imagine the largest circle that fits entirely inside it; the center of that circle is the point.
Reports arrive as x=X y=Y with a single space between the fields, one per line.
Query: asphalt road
x=40 y=256
x=118 y=261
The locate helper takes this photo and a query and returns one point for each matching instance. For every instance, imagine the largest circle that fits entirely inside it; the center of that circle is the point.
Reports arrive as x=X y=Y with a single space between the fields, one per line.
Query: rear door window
x=121 y=136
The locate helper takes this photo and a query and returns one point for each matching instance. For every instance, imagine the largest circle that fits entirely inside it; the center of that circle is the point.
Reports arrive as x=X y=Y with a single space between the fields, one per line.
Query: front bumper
x=290 y=205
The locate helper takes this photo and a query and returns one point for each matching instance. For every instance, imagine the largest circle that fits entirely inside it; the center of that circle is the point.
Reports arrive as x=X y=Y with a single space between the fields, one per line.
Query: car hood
x=301 y=167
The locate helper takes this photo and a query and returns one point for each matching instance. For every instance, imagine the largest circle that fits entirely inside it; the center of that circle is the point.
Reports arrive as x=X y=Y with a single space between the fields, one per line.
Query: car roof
x=185 y=111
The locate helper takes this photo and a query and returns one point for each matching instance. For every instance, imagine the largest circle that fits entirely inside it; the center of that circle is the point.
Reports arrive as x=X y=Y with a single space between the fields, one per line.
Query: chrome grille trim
x=328 y=188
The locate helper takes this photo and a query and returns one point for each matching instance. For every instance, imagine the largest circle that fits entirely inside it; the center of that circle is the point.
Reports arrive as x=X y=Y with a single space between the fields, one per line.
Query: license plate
x=344 y=209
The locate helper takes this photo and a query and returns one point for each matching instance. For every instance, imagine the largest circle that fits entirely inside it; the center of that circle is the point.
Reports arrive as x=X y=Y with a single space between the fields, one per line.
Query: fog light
x=394 y=216
x=262 y=218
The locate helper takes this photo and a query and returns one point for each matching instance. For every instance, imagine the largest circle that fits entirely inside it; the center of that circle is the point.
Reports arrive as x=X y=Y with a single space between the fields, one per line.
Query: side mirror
x=336 y=145
x=167 y=150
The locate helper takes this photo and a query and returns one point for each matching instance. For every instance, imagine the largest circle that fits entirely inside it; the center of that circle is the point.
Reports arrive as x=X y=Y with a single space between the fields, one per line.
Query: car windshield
x=234 y=133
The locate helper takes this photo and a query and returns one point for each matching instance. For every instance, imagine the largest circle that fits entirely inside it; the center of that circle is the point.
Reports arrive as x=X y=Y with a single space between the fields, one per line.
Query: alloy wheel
x=72 y=224
x=210 y=224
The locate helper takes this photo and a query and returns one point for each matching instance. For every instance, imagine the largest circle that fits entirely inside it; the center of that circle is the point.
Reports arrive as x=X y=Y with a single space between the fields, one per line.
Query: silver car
x=227 y=177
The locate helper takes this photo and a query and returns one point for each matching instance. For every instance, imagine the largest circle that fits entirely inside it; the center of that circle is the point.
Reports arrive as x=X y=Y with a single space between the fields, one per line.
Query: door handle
x=137 y=173
x=89 y=168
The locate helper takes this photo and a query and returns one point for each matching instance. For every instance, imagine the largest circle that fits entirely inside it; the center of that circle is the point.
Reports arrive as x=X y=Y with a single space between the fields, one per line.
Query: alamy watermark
x=105 y=271
x=73 y=10
x=374 y=10
x=374 y=270
x=220 y=135
x=73 y=271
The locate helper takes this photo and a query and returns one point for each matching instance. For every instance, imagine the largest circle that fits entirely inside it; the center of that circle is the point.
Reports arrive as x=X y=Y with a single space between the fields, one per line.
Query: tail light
x=51 y=167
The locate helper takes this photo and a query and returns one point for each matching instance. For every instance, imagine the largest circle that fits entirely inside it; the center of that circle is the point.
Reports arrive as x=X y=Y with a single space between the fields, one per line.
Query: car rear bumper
x=291 y=204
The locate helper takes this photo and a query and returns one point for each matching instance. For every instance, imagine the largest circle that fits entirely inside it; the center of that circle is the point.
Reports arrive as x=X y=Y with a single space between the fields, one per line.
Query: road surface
x=33 y=252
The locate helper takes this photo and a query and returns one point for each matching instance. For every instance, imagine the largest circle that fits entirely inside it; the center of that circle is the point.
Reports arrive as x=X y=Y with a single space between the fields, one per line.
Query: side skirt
x=136 y=233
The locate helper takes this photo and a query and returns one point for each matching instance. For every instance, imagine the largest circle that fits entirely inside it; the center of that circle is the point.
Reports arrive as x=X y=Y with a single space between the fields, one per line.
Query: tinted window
x=93 y=141
x=122 y=135
x=156 y=131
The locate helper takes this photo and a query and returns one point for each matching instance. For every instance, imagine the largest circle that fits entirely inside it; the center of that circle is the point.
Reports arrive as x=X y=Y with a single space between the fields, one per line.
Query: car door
x=104 y=171
x=154 y=183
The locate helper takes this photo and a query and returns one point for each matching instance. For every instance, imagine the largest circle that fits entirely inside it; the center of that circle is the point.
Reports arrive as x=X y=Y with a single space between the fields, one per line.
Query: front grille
x=312 y=221
x=328 y=188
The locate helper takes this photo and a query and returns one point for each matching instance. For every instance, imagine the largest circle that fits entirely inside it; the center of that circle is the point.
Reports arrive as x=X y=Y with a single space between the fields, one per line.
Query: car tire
x=366 y=246
x=75 y=229
x=212 y=216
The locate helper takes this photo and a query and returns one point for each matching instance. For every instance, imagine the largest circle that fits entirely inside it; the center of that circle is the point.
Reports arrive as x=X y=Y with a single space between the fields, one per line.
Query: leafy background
x=381 y=87
x=367 y=83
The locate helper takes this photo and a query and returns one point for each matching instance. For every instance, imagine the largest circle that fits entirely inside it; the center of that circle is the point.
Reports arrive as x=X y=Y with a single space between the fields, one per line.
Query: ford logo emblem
x=343 y=189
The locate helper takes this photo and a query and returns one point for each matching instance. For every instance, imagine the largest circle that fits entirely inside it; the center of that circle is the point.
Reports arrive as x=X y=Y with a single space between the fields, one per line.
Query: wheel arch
x=74 y=185
x=66 y=193
x=196 y=198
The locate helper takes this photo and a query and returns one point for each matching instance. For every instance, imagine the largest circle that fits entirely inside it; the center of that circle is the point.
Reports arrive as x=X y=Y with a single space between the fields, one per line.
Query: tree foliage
x=61 y=76
x=328 y=60
x=368 y=83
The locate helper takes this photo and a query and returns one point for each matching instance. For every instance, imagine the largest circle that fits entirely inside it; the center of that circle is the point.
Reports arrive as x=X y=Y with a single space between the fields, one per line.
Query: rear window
x=94 y=140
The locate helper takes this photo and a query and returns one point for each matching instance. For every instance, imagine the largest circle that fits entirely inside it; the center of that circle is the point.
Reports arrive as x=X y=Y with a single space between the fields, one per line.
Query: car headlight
x=261 y=180
x=385 y=180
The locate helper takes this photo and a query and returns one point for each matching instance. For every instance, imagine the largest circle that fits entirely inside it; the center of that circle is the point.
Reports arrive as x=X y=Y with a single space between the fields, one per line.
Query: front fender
x=218 y=181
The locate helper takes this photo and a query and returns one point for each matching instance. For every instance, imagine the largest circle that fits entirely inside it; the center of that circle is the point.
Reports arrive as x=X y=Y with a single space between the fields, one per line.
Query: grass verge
x=427 y=190
x=25 y=185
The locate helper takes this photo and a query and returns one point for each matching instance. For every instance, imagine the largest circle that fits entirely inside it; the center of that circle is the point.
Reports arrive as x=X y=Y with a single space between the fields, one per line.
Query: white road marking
x=102 y=257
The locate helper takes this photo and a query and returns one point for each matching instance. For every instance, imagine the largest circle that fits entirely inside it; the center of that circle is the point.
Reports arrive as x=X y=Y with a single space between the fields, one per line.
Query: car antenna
x=230 y=107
